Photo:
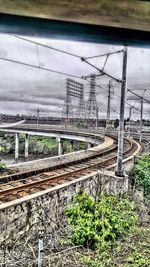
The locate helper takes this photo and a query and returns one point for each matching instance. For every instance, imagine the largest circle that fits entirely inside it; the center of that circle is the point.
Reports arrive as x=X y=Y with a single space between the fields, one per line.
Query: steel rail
x=52 y=178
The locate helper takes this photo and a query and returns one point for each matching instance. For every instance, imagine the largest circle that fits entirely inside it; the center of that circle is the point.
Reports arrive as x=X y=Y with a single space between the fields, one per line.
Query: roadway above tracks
x=42 y=130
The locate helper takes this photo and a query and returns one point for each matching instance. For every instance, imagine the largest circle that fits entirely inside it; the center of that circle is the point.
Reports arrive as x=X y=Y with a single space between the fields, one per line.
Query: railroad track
x=24 y=183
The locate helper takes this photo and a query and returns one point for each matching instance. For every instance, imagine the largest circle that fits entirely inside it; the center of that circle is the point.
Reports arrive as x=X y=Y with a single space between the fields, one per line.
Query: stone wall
x=21 y=220
x=23 y=216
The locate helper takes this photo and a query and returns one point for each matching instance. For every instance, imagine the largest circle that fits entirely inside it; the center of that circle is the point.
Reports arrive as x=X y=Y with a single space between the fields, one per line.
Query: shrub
x=2 y=166
x=140 y=174
x=99 y=224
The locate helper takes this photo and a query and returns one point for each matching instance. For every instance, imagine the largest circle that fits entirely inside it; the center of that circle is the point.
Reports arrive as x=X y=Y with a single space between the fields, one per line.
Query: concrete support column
x=60 y=146
x=16 y=146
x=72 y=145
x=26 y=146
x=89 y=145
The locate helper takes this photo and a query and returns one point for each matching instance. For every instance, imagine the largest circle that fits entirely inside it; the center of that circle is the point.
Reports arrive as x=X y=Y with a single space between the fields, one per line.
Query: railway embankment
x=23 y=216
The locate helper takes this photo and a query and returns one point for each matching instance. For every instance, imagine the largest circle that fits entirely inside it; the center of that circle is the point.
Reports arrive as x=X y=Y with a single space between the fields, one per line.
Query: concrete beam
x=77 y=136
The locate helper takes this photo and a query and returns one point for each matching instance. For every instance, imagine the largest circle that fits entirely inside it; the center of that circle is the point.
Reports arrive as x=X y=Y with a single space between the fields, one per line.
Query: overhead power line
x=99 y=86
x=141 y=89
x=46 y=46
x=106 y=54
x=141 y=97
x=38 y=67
x=101 y=71
x=72 y=54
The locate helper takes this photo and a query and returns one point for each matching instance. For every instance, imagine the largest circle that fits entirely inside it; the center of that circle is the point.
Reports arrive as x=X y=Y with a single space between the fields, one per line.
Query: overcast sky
x=24 y=89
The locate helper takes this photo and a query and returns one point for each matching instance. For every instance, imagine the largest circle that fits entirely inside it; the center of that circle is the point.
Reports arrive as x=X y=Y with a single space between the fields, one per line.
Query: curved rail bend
x=24 y=183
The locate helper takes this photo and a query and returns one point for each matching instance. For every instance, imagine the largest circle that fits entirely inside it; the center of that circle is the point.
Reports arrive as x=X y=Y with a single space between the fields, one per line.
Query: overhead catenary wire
x=105 y=62
x=117 y=96
x=140 y=97
x=102 y=55
x=62 y=51
x=71 y=54
x=74 y=55
x=101 y=71
x=104 y=89
x=112 y=77
x=62 y=73
x=134 y=99
x=39 y=67
x=46 y=46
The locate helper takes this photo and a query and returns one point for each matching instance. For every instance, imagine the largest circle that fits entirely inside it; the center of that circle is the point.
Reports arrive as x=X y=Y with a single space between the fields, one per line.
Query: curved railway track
x=17 y=185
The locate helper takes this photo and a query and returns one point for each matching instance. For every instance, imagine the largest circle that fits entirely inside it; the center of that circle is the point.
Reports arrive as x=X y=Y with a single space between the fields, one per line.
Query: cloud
x=24 y=89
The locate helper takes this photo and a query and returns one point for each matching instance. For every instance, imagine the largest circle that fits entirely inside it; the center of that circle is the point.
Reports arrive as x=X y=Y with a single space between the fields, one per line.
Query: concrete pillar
x=16 y=146
x=60 y=146
x=89 y=145
x=72 y=145
x=26 y=146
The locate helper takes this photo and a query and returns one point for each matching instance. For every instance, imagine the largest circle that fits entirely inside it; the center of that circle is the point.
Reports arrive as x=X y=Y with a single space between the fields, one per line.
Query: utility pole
x=119 y=170
x=40 y=247
x=108 y=106
x=37 y=117
x=129 y=127
x=141 y=118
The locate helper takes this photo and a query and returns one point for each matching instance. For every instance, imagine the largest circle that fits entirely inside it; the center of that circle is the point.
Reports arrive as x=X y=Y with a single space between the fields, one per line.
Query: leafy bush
x=2 y=150
x=101 y=223
x=140 y=174
x=2 y=166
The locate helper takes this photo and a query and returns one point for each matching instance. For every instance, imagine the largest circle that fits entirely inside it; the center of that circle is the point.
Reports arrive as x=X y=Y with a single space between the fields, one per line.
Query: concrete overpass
x=90 y=138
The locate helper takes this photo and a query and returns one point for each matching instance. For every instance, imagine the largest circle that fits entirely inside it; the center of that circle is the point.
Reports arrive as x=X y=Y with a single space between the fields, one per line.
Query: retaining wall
x=24 y=217
x=29 y=213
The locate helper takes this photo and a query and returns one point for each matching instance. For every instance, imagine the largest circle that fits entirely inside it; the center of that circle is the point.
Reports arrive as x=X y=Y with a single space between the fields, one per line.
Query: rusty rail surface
x=20 y=184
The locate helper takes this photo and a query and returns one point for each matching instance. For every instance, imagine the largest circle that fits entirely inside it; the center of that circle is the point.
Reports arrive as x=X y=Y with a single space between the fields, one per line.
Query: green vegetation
x=100 y=223
x=109 y=231
x=2 y=165
x=140 y=175
x=39 y=145
x=42 y=145
x=132 y=251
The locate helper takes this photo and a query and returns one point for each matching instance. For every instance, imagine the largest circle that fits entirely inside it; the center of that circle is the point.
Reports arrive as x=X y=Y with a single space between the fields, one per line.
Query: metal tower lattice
x=92 y=103
x=67 y=111
x=74 y=89
x=80 y=112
